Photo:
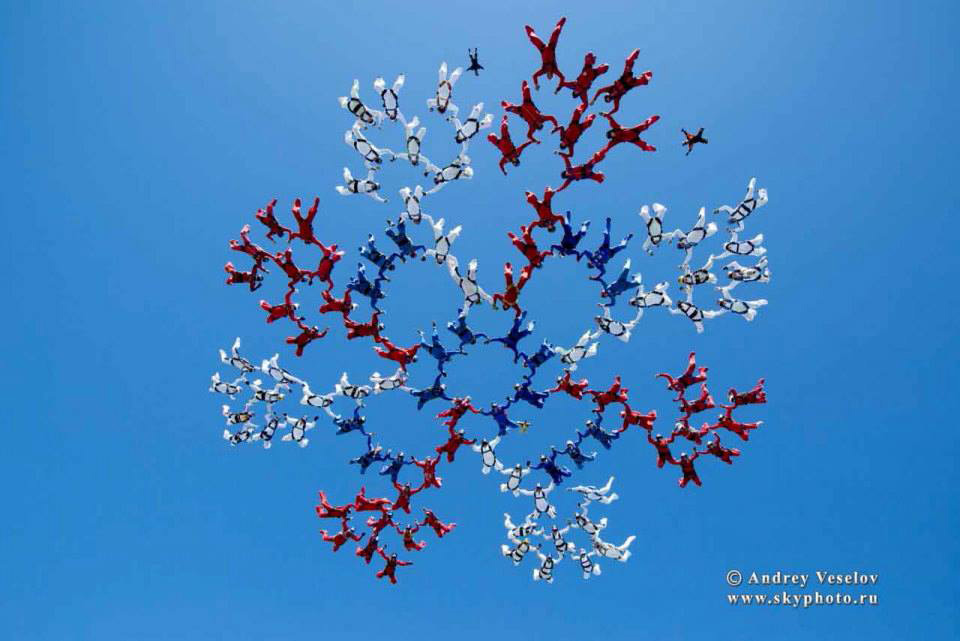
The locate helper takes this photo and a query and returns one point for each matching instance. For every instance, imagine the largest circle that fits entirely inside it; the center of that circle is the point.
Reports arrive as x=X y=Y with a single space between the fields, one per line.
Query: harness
x=461 y=136
x=359 y=110
x=394 y=100
x=444 y=92
x=691 y=311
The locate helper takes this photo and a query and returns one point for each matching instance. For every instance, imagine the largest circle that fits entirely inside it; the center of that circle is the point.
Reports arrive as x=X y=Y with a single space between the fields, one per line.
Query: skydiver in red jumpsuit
x=633 y=417
x=305 y=224
x=306 y=336
x=377 y=524
x=548 y=53
x=627 y=81
x=566 y=384
x=336 y=305
x=360 y=330
x=439 y=528
x=327 y=511
x=286 y=309
x=682 y=428
x=325 y=267
x=453 y=444
x=341 y=537
x=257 y=253
x=253 y=278
x=508 y=298
x=429 y=467
x=615 y=394
x=367 y=551
x=274 y=228
x=509 y=153
x=401 y=355
x=756 y=396
x=363 y=504
x=284 y=261
x=570 y=134
x=689 y=472
x=725 y=454
x=589 y=73
x=405 y=492
x=390 y=568
x=617 y=135
x=545 y=216
x=664 y=455
x=692 y=139
x=527 y=246
x=703 y=403
x=688 y=378
x=455 y=412
x=408 y=543
x=529 y=112
x=583 y=171
x=740 y=429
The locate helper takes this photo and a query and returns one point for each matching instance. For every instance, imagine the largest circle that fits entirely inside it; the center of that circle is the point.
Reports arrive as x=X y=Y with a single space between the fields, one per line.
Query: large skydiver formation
x=437 y=247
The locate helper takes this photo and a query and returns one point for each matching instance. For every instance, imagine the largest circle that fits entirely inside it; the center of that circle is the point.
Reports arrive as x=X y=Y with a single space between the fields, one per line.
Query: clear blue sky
x=137 y=138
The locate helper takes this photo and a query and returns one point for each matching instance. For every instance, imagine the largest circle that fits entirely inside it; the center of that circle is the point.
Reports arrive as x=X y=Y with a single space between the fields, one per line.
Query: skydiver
x=627 y=81
x=442 y=243
x=633 y=417
x=413 y=144
x=590 y=493
x=372 y=155
x=549 y=465
x=682 y=428
x=611 y=551
x=323 y=401
x=427 y=394
x=499 y=414
x=455 y=412
x=568 y=245
x=364 y=504
x=409 y=543
x=617 y=135
x=545 y=571
x=515 y=335
x=472 y=125
x=429 y=467
x=703 y=403
x=604 y=253
x=356 y=392
x=389 y=96
x=403 y=356
x=252 y=278
x=692 y=139
x=271 y=367
x=367 y=551
x=692 y=312
x=488 y=457
x=566 y=384
x=354 y=105
x=368 y=458
x=412 y=209
x=541 y=505
x=576 y=455
x=518 y=551
x=599 y=434
x=244 y=434
x=747 y=309
x=268 y=396
x=366 y=186
x=463 y=332
x=475 y=65
x=378 y=523
x=397 y=232
x=458 y=169
x=453 y=444
x=750 y=203
x=306 y=336
x=583 y=171
x=404 y=494
x=286 y=309
x=251 y=249
x=443 y=98
x=392 y=469
x=337 y=305
x=664 y=455
x=390 y=569
x=353 y=424
x=654 y=224
x=509 y=152
x=690 y=376
x=439 y=528
x=269 y=220
x=755 y=396
x=518 y=532
x=614 y=394
x=298 y=429
x=305 y=223
x=590 y=72
x=739 y=274
x=340 y=538
x=623 y=283
x=725 y=454
x=508 y=298
x=527 y=110
x=377 y=257
x=360 y=330
x=527 y=246
x=534 y=361
x=522 y=392
x=514 y=476
x=618 y=329
x=742 y=430
x=223 y=387
x=686 y=467
x=581 y=350
x=327 y=511
x=548 y=53
x=544 y=209
x=372 y=289
x=657 y=297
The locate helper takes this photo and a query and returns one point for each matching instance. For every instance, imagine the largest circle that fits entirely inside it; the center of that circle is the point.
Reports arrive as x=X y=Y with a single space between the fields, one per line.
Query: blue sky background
x=138 y=138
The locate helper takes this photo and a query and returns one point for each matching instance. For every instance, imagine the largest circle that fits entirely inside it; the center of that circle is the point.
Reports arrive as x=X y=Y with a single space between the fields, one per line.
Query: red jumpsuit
x=627 y=81
x=429 y=467
x=740 y=429
x=359 y=330
x=306 y=336
x=574 y=389
x=617 y=134
x=453 y=444
x=615 y=394
x=286 y=309
x=589 y=73
x=367 y=551
x=529 y=112
x=284 y=261
x=341 y=537
x=756 y=396
x=582 y=171
x=342 y=305
x=570 y=134
x=509 y=153
x=402 y=356
x=705 y=402
x=725 y=454
x=686 y=379
x=377 y=524
x=439 y=528
x=305 y=224
x=408 y=542
x=663 y=450
x=548 y=53
x=390 y=568
x=683 y=429
x=528 y=247
x=508 y=298
x=363 y=504
x=325 y=267
x=454 y=413
x=274 y=228
x=632 y=417
x=235 y=277
x=689 y=473
x=327 y=511
x=545 y=216
x=257 y=253
x=402 y=501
